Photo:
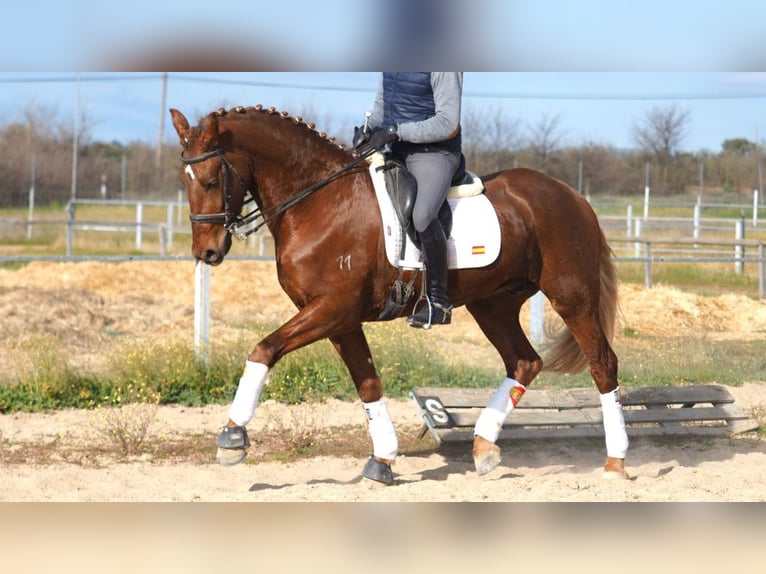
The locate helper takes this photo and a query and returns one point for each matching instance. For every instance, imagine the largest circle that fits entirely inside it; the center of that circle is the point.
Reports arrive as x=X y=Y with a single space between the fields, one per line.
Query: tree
x=544 y=139
x=660 y=135
x=738 y=146
x=491 y=139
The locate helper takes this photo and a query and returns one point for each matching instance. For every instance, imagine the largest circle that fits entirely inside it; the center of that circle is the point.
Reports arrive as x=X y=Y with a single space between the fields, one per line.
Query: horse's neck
x=285 y=165
x=283 y=171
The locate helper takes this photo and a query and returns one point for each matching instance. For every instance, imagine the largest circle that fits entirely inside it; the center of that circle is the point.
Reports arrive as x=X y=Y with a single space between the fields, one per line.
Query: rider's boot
x=437 y=310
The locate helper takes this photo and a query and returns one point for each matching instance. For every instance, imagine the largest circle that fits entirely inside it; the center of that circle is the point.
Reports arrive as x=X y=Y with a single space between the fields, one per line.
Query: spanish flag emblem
x=478 y=250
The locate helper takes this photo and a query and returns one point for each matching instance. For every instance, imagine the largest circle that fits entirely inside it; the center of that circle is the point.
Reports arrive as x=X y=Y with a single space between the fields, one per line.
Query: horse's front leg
x=312 y=323
x=486 y=454
x=355 y=352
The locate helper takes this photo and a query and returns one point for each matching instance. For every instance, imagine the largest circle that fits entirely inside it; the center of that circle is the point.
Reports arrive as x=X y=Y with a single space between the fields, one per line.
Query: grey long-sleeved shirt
x=448 y=92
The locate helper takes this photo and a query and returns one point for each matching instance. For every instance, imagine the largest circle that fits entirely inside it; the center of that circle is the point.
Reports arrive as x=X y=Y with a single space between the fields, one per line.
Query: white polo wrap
x=614 y=424
x=385 y=444
x=254 y=378
x=500 y=405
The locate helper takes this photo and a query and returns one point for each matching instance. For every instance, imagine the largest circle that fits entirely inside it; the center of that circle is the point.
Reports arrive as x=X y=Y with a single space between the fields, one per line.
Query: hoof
x=232 y=446
x=378 y=471
x=487 y=462
x=614 y=469
x=486 y=455
x=229 y=456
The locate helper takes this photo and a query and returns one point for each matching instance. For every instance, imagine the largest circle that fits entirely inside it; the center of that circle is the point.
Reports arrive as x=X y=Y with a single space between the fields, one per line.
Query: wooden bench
x=450 y=414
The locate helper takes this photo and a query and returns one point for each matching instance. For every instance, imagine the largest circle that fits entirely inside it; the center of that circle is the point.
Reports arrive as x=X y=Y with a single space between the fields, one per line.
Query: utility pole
x=76 y=138
x=161 y=130
x=758 y=152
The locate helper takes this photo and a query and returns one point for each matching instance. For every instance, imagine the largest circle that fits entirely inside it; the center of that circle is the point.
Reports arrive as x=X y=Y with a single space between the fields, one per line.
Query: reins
x=232 y=222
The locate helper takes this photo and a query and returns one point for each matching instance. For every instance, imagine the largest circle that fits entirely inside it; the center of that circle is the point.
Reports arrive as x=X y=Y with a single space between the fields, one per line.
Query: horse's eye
x=212 y=184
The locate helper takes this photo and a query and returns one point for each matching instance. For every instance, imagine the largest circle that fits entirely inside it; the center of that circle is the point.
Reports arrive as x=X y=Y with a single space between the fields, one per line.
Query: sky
x=592 y=107
x=599 y=65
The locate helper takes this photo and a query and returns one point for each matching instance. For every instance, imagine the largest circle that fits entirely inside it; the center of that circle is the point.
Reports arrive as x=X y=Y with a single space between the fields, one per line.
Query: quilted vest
x=408 y=97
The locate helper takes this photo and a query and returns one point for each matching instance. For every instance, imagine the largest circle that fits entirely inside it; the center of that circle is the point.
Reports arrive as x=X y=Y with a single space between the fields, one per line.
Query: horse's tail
x=563 y=354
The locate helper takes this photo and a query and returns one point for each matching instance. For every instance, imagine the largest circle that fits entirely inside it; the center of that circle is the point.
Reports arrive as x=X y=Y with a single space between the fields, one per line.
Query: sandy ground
x=78 y=302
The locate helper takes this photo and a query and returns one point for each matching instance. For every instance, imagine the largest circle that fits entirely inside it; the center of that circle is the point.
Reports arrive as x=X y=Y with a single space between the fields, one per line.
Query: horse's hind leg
x=355 y=352
x=603 y=368
x=498 y=318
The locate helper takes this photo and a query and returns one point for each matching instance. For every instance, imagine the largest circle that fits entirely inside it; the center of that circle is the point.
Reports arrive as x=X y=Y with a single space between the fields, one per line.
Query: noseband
x=230 y=220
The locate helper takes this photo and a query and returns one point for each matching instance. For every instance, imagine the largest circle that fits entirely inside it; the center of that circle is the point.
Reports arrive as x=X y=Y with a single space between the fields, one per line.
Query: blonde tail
x=563 y=354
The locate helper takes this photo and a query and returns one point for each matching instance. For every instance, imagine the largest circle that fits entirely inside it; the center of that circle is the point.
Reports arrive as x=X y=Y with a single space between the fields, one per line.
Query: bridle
x=239 y=225
x=231 y=221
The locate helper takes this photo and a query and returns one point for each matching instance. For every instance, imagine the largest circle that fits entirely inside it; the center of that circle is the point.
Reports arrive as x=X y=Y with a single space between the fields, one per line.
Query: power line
x=73 y=78
x=353 y=89
x=616 y=97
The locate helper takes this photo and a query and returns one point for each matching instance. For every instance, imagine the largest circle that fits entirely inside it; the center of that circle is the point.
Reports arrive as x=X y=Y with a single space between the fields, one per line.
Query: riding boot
x=437 y=310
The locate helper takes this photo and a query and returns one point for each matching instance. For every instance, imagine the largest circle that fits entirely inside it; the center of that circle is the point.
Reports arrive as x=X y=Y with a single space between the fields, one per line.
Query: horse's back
x=550 y=226
x=550 y=209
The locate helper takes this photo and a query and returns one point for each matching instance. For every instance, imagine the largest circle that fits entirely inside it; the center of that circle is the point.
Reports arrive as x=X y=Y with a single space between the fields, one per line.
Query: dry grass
x=199 y=448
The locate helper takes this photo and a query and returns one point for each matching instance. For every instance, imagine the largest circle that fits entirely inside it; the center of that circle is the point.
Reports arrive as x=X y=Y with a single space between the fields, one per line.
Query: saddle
x=402 y=188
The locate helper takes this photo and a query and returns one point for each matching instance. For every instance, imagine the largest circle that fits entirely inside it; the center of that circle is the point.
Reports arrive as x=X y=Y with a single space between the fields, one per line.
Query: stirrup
x=432 y=313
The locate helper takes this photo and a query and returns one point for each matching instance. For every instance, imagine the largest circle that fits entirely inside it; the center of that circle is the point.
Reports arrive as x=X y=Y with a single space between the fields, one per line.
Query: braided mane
x=259 y=109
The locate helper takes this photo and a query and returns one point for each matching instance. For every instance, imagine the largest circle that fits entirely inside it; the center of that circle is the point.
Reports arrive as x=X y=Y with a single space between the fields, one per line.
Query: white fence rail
x=175 y=223
x=165 y=230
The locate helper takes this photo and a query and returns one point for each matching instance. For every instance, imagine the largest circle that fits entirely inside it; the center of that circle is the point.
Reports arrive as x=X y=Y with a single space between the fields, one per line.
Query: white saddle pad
x=475 y=238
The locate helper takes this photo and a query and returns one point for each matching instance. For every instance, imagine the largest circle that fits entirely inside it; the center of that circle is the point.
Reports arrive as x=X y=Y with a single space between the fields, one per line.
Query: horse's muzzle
x=214 y=255
x=211 y=257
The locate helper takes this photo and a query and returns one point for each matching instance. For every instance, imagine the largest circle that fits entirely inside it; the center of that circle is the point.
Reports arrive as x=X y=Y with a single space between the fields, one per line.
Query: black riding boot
x=437 y=310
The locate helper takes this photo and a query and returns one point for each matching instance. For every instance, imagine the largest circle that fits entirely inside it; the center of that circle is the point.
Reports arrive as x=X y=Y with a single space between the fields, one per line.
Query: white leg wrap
x=255 y=377
x=491 y=419
x=384 y=441
x=614 y=424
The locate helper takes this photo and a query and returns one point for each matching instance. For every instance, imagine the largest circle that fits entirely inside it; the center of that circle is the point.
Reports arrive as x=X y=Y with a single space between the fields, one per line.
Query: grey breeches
x=433 y=171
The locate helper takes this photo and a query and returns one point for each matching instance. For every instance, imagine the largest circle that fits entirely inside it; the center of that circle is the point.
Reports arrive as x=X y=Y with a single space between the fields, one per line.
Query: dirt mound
x=69 y=313
x=666 y=312
x=87 y=302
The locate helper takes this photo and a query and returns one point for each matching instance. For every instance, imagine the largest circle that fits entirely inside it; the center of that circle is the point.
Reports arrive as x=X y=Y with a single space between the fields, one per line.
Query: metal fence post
x=739 y=249
x=162 y=237
x=69 y=227
x=169 y=226
x=201 y=312
x=637 y=245
x=648 y=281
x=761 y=273
x=139 y=225
x=536 y=317
x=697 y=213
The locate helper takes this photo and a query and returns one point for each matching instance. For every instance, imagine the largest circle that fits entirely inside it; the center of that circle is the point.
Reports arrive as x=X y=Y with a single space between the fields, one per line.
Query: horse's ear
x=209 y=137
x=181 y=124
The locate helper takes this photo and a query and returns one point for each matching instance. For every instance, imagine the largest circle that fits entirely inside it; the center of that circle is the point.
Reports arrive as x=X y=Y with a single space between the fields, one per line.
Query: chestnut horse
x=318 y=202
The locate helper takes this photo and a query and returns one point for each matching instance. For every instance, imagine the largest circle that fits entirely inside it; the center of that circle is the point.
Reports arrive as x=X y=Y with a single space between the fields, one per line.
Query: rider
x=418 y=115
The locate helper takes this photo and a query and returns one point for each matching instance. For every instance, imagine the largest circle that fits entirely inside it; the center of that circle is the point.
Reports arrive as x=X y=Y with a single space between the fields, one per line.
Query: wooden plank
x=520 y=417
x=570 y=417
x=676 y=395
x=467 y=398
x=595 y=431
x=579 y=398
x=450 y=414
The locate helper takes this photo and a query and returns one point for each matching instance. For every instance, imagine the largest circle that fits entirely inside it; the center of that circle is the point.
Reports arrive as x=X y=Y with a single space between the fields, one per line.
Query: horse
x=316 y=198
